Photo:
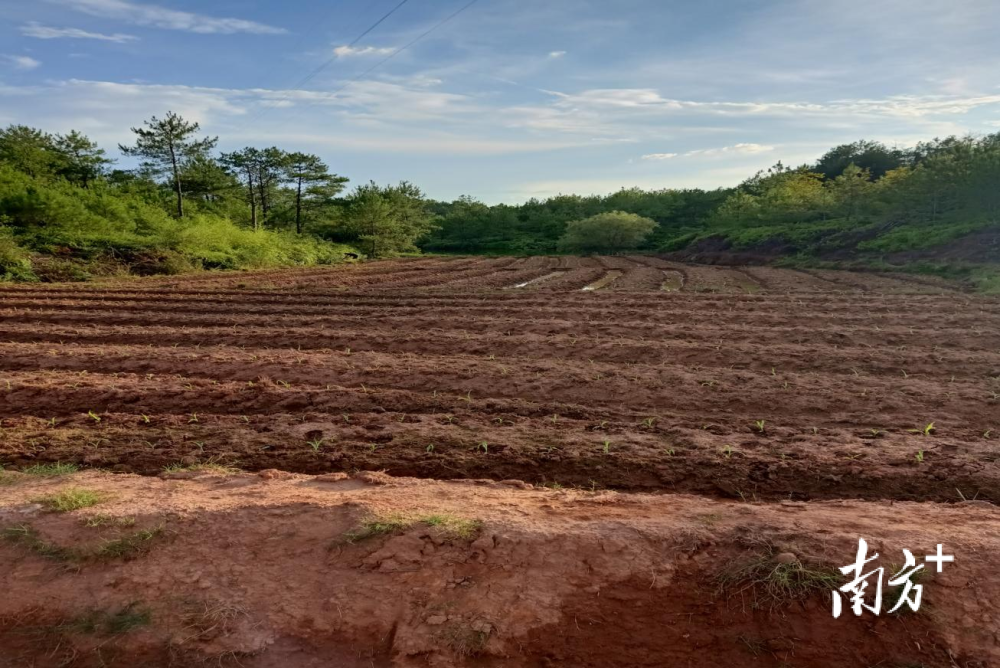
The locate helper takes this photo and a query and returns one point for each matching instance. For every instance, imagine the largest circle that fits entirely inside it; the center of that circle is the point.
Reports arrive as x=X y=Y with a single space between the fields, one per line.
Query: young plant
x=760 y=425
x=317 y=444
x=93 y=416
x=919 y=456
x=607 y=446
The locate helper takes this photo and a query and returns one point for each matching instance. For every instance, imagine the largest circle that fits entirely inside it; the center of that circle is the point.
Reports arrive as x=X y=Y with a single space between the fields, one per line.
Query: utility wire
x=322 y=66
x=392 y=55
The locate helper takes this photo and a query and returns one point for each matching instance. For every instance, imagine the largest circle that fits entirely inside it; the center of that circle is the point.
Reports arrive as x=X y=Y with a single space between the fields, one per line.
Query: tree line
x=186 y=205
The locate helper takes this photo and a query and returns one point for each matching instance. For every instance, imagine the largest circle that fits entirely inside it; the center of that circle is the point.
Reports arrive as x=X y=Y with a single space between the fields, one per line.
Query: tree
x=82 y=160
x=270 y=166
x=872 y=156
x=312 y=181
x=245 y=166
x=30 y=151
x=610 y=232
x=388 y=220
x=851 y=190
x=166 y=145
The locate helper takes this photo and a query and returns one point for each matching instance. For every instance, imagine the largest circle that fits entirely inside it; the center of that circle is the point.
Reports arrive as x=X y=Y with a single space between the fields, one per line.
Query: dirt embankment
x=295 y=571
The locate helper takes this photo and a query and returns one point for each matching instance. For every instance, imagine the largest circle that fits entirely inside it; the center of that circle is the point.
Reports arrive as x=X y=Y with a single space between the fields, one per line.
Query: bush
x=15 y=263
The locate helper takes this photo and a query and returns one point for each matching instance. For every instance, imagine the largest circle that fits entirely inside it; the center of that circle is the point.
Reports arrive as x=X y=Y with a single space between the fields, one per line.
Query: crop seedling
x=727 y=451
x=50 y=470
x=760 y=425
x=430 y=448
x=317 y=444
x=926 y=431
x=919 y=456
x=484 y=446
x=93 y=416
x=145 y=418
x=607 y=446
x=193 y=418
x=649 y=422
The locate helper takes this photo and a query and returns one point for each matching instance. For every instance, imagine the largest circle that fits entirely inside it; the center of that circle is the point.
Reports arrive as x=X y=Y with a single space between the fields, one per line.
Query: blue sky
x=513 y=98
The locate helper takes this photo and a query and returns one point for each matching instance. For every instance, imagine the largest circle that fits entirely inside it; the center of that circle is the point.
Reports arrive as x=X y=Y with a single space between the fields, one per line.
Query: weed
x=51 y=470
x=773 y=583
x=129 y=547
x=28 y=538
x=103 y=520
x=69 y=500
x=449 y=526
x=101 y=622
x=465 y=641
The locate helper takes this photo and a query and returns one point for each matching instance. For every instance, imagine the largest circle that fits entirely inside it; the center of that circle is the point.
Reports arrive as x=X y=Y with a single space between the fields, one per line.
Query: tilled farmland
x=649 y=421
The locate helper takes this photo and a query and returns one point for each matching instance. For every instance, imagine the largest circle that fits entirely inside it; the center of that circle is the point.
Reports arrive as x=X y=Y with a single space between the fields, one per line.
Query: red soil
x=749 y=386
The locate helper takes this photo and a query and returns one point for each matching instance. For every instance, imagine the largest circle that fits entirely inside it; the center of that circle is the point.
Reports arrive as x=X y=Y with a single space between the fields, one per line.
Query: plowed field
x=609 y=375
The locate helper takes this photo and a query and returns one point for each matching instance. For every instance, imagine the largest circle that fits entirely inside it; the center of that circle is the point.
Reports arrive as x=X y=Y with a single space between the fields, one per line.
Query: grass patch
x=27 y=537
x=129 y=547
x=51 y=470
x=449 y=526
x=771 y=584
x=105 y=623
x=465 y=641
x=69 y=500
x=6 y=478
x=103 y=520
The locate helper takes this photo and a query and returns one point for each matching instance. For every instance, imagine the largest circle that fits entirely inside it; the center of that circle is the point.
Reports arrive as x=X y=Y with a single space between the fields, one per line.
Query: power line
x=311 y=75
x=395 y=53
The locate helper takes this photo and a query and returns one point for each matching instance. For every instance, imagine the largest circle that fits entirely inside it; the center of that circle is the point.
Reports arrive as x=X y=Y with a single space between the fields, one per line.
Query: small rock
x=786 y=558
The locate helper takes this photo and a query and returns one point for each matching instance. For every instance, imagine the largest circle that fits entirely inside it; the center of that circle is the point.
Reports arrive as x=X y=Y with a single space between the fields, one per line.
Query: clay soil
x=567 y=461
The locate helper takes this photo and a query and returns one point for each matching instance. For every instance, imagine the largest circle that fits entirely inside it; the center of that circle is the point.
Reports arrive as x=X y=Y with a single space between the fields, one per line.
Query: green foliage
x=62 y=219
x=610 y=232
x=70 y=499
x=387 y=220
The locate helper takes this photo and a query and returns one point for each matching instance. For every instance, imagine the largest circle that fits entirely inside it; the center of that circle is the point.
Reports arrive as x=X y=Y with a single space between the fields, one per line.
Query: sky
x=505 y=100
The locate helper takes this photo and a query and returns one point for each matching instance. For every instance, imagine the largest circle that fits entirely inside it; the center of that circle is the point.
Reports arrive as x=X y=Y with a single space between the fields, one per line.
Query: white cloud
x=348 y=51
x=743 y=148
x=46 y=32
x=735 y=149
x=22 y=62
x=170 y=19
x=556 y=54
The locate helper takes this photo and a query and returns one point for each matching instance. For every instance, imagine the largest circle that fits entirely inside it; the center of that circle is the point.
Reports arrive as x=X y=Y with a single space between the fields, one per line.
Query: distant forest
x=66 y=212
